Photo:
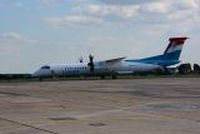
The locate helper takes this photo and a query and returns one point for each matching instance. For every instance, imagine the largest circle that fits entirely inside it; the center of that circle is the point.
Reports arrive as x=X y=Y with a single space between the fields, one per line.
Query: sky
x=38 y=32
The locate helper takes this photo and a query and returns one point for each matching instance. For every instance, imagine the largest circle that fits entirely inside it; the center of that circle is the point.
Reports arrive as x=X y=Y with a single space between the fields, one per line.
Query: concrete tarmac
x=140 y=106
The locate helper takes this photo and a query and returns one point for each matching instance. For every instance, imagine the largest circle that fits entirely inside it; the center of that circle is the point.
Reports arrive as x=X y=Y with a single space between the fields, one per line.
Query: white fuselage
x=100 y=68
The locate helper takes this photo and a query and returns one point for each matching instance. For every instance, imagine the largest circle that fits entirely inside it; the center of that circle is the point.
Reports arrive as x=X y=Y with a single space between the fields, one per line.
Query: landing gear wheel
x=166 y=71
x=40 y=79
x=102 y=77
x=114 y=76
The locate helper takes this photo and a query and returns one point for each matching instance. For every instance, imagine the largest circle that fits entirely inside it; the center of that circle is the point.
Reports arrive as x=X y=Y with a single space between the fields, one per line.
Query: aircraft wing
x=110 y=62
x=114 y=60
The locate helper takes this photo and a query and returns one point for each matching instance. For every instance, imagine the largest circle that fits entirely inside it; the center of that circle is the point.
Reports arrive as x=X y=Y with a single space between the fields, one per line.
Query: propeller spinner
x=81 y=59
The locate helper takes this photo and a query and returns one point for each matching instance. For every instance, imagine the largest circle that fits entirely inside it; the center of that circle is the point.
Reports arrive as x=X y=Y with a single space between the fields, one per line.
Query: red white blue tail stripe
x=176 y=44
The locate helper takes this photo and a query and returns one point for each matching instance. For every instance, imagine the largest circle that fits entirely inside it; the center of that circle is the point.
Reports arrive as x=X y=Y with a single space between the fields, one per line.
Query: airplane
x=116 y=66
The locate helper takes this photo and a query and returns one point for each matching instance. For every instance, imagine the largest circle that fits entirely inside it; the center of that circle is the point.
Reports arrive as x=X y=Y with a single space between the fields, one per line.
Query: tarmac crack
x=28 y=125
x=171 y=116
x=12 y=94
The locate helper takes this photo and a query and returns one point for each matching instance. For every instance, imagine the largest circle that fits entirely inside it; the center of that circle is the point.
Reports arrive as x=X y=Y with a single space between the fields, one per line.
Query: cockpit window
x=45 y=67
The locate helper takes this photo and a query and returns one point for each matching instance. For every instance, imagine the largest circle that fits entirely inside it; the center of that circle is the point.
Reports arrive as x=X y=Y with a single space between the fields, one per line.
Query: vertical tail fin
x=175 y=44
x=171 y=55
x=174 y=48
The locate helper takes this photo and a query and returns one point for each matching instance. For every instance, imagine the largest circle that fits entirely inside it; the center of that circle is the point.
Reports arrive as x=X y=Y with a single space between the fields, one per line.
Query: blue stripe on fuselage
x=167 y=59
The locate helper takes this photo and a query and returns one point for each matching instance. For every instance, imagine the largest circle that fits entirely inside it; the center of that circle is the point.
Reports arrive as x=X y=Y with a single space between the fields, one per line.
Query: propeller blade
x=91 y=63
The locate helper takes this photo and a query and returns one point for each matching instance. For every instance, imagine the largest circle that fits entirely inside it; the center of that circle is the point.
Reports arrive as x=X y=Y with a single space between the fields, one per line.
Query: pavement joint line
x=171 y=116
x=151 y=113
x=157 y=114
x=28 y=125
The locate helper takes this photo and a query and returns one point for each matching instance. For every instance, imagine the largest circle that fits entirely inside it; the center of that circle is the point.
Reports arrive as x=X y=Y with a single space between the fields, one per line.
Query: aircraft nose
x=35 y=74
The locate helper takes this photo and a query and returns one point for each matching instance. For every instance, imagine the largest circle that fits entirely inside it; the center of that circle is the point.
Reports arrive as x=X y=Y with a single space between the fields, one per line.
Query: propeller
x=91 y=63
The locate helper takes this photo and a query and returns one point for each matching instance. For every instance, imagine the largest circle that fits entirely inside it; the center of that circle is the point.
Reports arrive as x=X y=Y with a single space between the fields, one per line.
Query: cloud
x=8 y=41
x=11 y=36
x=73 y=20
x=18 y=4
x=15 y=37
x=108 y=10
x=124 y=2
x=16 y=52
x=169 y=6
x=57 y=3
x=169 y=13
x=51 y=3
x=11 y=42
x=12 y=3
x=181 y=3
x=180 y=16
x=156 y=7
x=187 y=4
